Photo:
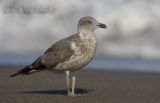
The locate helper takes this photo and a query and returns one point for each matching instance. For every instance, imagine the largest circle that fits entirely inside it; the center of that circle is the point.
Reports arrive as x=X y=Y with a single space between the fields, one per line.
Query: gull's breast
x=84 y=51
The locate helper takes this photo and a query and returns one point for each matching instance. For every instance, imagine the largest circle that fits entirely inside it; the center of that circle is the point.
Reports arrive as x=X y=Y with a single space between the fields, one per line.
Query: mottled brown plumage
x=69 y=54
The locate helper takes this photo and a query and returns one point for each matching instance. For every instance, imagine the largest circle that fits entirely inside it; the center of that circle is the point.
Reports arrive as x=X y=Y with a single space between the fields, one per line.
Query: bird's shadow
x=58 y=91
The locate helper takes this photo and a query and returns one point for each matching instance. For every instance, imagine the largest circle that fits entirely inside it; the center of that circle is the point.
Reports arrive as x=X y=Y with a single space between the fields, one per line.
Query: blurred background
x=131 y=42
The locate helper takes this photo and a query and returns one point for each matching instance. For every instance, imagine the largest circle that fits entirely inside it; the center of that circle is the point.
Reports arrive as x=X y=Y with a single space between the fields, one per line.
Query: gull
x=69 y=54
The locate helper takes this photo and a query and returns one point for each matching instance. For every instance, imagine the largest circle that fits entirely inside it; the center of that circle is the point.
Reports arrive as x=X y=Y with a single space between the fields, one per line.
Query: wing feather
x=57 y=53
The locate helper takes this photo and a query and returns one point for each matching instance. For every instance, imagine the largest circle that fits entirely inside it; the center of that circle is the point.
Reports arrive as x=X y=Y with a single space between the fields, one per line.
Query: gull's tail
x=25 y=71
x=36 y=66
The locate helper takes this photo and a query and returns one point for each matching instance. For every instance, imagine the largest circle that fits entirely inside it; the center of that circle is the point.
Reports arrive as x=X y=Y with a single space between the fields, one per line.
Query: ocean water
x=102 y=63
x=125 y=64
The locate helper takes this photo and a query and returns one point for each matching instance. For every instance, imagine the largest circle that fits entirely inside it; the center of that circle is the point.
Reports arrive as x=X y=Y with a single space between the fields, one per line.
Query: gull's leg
x=72 y=93
x=68 y=82
x=73 y=85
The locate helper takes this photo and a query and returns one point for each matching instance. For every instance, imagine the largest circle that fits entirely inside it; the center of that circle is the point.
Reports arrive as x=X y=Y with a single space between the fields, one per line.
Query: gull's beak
x=100 y=25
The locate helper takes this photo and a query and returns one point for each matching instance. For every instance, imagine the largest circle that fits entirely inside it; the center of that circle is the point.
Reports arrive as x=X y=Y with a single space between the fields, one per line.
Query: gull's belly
x=83 y=54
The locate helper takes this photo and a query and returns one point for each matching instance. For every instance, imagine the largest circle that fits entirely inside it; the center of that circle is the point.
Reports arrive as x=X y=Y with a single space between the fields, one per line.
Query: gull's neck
x=85 y=33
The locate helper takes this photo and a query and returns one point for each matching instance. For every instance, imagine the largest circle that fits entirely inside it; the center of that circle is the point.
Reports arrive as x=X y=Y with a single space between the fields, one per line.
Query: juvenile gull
x=69 y=54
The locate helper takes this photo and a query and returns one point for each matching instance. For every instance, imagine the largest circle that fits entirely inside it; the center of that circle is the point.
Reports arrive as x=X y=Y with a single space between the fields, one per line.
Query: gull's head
x=89 y=24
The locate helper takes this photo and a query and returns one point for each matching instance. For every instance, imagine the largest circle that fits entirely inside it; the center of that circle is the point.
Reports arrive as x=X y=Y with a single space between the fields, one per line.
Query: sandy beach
x=95 y=86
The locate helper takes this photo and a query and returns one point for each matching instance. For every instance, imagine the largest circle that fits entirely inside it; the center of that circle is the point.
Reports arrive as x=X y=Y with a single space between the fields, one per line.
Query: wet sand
x=95 y=86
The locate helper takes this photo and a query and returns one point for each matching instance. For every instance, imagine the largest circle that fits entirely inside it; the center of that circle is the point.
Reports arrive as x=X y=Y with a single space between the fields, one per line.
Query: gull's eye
x=86 y=22
x=89 y=22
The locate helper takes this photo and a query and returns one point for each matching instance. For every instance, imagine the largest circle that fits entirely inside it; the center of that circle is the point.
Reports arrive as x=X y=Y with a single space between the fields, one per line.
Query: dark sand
x=95 y=87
